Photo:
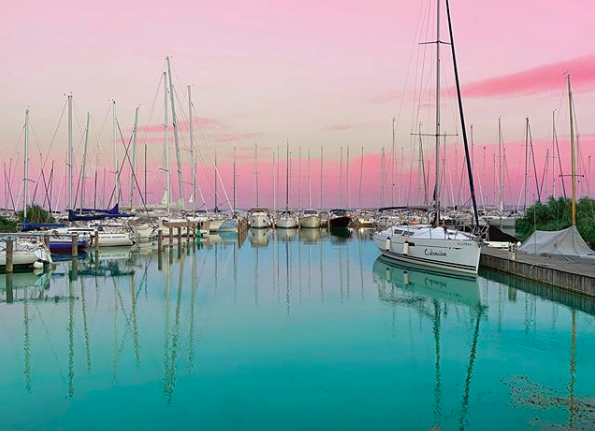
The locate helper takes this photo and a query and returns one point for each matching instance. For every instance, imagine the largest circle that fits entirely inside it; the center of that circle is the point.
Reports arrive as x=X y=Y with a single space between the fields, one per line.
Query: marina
x=326 y=216
x=303 y=321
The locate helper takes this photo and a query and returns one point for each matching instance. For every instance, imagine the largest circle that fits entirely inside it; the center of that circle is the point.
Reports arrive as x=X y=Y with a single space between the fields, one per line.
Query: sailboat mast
x=461 y=114
x=70 y=156
x=437 y=185
x=361 y=173
x=572 y=156
x=341 y=180
x=299 y=178
x=133 y=168
x=235 y=182
x=321 y=168
x=310 y=180
x=526 y=160
x=174 y=120
x=116 y=165
x=554 y=154
x=26 y=166
x=166 y=130
x=84 y=166
x=256 y=171
x=392 y=175
x=287 y=178
x=192 y=156
x=216 y=209
x=500 y=171
x=347 y=191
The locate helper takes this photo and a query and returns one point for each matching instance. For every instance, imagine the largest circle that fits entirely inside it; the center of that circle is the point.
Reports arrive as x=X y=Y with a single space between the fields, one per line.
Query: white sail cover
x=566 y=243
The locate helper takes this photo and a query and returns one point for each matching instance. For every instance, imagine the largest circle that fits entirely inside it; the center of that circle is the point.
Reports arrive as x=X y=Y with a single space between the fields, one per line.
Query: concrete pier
x=572 y=276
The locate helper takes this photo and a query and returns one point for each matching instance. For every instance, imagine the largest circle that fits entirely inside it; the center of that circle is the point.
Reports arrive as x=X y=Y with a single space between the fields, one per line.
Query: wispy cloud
x=341 y=127
x=540 y=79
x=233 y=137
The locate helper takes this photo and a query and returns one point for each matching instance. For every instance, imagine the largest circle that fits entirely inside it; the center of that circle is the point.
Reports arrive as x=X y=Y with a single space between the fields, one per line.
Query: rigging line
x=218 y=174
x=54 y=137
x=417 y=91
x=127 y=157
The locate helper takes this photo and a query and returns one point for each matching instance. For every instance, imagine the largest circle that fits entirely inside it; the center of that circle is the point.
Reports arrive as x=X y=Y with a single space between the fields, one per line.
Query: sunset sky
x=319 y=73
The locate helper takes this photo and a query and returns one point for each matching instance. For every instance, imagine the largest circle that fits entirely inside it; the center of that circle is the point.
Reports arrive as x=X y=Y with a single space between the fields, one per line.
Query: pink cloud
x=340 y=127
x=540 y=79
x=233 y=137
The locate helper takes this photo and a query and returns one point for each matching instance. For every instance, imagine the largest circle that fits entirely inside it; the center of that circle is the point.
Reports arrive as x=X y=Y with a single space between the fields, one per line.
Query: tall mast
x=26 y=166
x=321 y=168
x=274 y=184
x=84 y=167
x=256 y=171
x=299 y=177
x=341 y=180
x=310 y=180
x=192 y=156
x=526 y=160
x=361 y=173
x=133 y=168
x=71 y=156
x=174 y=120
x=382 y=177
x=216 y=195
x=115 y=130
x=554 y=154
x=462 y=117
x=166 y=129
x=437 y=186
x=392 y=175
x=347 y=191
x=500 y=171
x=235 y=183
x=572 y=156
x=287 y=179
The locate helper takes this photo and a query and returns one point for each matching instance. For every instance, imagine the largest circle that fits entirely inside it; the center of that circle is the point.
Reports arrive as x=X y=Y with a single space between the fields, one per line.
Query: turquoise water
x=289 y=332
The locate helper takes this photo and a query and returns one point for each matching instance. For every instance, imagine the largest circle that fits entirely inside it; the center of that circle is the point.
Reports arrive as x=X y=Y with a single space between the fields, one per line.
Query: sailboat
x=258 y=218
x=310 y=217
x=287 y=219
x=434 y=246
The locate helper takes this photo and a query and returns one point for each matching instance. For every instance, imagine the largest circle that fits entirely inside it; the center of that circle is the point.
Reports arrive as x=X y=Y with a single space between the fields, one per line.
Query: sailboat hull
x=443 y=255
x=311 y=222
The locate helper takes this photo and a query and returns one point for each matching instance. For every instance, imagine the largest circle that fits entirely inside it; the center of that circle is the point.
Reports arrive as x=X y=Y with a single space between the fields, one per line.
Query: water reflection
x=302 y=316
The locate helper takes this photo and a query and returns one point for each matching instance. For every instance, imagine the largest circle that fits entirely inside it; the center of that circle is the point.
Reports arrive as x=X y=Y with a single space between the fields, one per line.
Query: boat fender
x=387 y=244
x=405 y=248
x=37 y=264
x=406 y=278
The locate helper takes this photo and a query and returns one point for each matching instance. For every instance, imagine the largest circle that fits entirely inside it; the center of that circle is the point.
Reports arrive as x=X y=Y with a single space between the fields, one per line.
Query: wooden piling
x=9 y=255
x=159 y=240
x=179 y=236
x=75 y=246
x=171 y=237
x=96 y=240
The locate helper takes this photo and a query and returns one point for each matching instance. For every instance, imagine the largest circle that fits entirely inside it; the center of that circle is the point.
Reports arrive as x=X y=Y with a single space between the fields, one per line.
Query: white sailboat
x=258 y=218
x=287 y=219
x=310 y=217
x=435 y=246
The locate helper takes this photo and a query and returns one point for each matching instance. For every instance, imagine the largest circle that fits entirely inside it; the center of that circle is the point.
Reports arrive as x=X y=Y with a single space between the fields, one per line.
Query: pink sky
x=323 y=73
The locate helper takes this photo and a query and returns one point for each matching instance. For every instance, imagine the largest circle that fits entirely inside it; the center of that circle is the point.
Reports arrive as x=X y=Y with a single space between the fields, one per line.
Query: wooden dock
x=572 y=276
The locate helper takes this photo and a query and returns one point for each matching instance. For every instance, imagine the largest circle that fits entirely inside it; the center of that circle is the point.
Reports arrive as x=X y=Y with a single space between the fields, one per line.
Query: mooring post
x=9 y=251
x=171 y=237
x=75 y=246
x=96 y=240
x=159 y=240
x=9 y=289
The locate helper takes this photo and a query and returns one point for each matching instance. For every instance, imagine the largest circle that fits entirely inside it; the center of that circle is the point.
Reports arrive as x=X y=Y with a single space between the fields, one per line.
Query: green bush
x=36 y=214
x=7 y=225
x=556 y=214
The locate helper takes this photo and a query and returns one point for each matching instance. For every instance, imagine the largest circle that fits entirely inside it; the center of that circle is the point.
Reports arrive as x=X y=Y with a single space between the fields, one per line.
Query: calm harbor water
x=289 y=331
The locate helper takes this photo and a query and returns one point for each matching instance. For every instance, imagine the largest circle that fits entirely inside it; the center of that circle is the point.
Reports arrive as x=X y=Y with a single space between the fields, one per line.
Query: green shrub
x=556 y=214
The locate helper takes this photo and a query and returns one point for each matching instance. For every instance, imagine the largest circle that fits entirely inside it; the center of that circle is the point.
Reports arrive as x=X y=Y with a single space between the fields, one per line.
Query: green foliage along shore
x=36 y=214
x=556 y=214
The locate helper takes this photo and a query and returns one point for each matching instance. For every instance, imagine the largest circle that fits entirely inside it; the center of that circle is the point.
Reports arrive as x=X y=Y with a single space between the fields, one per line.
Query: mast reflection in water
x=297 y=329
